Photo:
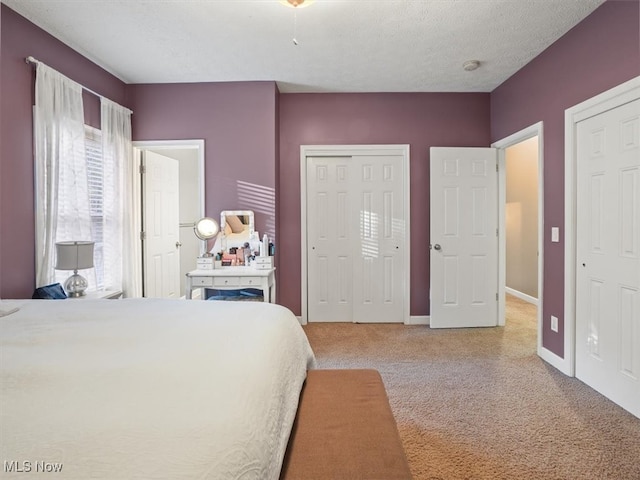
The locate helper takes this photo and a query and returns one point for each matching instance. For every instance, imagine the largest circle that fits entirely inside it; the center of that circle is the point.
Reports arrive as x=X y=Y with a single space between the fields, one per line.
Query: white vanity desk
x=233 y=278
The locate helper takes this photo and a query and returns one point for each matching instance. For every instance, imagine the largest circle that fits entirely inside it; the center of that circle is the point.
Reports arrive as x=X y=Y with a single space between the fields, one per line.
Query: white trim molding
x=418 y=320
x=552 y=359
x=521 y=296
x=534 y=130
x=624 y=93
x=194 y=144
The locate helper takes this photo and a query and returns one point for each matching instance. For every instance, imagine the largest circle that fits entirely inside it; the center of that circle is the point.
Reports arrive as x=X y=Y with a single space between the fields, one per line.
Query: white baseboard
x=554 y=360
x=413 y=320
x=521 y=296
x=418 y=320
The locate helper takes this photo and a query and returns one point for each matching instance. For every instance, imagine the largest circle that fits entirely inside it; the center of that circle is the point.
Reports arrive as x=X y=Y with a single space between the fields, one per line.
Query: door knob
x=437 y=246
x=178 y=244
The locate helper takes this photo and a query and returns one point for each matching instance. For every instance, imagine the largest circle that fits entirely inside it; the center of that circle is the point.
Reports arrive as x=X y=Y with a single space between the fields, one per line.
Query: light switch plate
x=554 y=324
x=555 y=234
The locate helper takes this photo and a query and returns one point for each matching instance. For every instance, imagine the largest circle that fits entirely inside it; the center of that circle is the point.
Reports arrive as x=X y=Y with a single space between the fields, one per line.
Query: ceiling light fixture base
x=471 y=65
x=296 y=3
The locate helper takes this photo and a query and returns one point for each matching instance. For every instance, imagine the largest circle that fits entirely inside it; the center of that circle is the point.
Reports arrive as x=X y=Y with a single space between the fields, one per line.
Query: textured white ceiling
x=343 y=45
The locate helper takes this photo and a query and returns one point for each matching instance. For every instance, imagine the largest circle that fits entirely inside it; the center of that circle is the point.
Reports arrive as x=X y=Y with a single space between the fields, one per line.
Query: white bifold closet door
x=356 y=231
x=608 y=254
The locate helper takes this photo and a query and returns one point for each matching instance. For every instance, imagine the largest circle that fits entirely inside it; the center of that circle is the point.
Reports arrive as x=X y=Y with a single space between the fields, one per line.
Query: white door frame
x=608 y=100
x=502 y=145
x=194 y=144
x=348 y=151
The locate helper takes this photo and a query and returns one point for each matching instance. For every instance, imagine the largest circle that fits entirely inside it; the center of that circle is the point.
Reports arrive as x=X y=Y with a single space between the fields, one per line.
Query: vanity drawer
x=202 y=281
x=226 y=281
x=250 y=281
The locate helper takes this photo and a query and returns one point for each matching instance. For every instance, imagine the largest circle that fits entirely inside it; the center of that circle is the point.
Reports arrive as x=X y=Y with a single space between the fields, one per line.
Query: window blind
x=95 y=179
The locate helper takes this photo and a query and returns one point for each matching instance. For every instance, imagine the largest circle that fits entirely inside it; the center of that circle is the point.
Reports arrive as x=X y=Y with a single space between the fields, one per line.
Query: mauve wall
x=421 y=120
x=596 y=55
x=1 y=198
x=237 y=121
x=19 y=39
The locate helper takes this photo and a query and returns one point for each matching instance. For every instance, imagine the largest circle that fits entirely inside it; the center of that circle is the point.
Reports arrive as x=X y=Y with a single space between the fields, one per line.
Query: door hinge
x=143 y=169
x=496 y=297
x=143 y=235
x=497 y=170
x=497 y=232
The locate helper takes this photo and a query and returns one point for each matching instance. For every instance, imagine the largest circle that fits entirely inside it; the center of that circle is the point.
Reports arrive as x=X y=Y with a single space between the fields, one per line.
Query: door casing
x=352 y=150
x=607 y=100
x=193 y=144
x=502 y=145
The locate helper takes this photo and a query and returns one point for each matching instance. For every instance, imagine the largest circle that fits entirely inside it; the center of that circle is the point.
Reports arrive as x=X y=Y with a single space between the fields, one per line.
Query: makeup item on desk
x=240 y=256
x=264 y=246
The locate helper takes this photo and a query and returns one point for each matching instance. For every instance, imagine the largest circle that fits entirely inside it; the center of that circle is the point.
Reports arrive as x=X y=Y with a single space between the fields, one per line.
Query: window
x=85 y=185
x=95 y=183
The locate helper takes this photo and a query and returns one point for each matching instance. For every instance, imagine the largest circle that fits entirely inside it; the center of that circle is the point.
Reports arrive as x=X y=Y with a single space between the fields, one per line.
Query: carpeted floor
x=479 y=404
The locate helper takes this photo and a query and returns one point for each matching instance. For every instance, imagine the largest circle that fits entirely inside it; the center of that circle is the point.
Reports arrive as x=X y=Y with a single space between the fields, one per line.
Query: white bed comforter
x=149 y=389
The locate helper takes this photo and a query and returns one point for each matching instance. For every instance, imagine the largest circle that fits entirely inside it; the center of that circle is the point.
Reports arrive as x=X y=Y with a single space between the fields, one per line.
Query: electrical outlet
x=554 y=324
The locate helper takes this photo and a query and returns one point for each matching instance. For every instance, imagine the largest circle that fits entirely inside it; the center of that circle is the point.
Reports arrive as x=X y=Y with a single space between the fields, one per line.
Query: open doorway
x=521 y=220
x=189 y=155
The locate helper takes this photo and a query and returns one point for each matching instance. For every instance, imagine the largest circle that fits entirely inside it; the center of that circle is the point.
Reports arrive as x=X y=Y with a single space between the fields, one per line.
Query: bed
x=149 y=388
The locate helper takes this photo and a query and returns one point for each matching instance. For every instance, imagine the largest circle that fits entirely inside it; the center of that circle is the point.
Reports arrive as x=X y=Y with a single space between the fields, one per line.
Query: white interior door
x=464 y=237
x=608 y=254
x=356 y=232
x=329 y=234
x=379 y=259
x=161 y=246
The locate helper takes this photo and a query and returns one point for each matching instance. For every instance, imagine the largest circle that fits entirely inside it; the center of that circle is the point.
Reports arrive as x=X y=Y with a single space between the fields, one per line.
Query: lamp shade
x=74 y=255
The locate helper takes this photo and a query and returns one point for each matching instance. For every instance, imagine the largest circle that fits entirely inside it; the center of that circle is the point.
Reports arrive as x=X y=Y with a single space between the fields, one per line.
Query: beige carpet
x=480 y=404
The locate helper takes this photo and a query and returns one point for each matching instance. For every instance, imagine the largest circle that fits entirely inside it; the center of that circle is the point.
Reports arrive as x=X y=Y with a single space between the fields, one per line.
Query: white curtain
x=122 y=246
x=62 y=199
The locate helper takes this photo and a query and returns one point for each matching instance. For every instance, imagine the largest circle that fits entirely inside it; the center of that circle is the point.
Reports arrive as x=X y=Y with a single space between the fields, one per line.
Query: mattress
x=149 y=388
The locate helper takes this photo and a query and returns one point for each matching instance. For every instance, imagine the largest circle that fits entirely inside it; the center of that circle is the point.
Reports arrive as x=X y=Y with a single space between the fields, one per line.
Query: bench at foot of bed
x=344 y=429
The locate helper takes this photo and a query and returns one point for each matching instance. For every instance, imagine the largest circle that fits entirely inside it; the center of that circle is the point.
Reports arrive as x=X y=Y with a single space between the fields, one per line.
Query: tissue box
x=263 y=263
x=204 y=263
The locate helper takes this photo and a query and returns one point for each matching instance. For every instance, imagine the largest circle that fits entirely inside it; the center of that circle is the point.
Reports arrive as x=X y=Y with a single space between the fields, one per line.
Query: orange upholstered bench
x=344 y=429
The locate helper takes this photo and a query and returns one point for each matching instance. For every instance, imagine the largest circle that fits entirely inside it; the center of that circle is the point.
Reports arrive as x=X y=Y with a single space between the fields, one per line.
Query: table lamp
x=74 y=256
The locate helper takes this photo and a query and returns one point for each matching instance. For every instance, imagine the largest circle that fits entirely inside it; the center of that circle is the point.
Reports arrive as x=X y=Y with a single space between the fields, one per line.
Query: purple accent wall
x=1 y=197
x=237 y=121
x=421 y=120
x=599 y=53
x=20 y=39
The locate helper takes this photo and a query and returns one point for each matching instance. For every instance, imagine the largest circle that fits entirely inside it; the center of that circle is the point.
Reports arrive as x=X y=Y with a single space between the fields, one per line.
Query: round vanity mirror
x=206 y=228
